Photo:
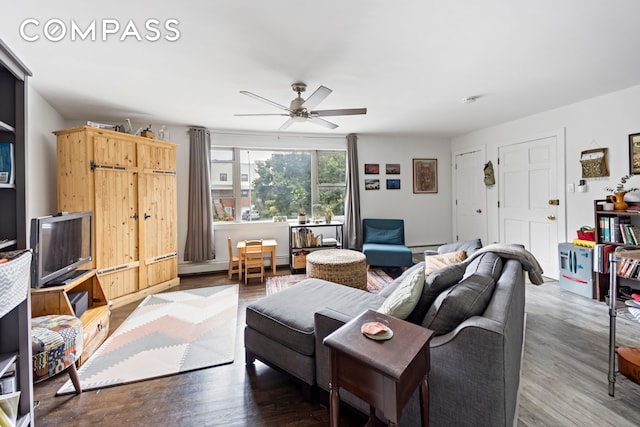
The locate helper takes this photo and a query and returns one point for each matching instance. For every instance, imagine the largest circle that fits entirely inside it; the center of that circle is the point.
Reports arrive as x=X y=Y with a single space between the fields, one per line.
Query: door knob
x=551 y=217
x=478 y=210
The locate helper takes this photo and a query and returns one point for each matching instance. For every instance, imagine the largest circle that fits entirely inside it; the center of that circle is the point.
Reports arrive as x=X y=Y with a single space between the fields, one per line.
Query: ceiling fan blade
x=316 y=97
x=259 y=98
x=323 y=122
x=341 y=112
x=286 y=124
x=258 y=114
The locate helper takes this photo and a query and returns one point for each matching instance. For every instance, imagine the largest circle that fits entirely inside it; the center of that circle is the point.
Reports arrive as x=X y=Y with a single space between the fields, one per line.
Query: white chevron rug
x=168 y=333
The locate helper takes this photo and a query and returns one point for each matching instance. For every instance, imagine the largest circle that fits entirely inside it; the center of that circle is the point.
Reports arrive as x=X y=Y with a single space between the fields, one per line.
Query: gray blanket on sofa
x=526 y=258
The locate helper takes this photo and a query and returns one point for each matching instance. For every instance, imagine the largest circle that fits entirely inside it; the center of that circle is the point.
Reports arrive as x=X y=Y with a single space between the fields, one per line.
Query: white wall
x=605 y=121
x=41 y=155
x=427 y=217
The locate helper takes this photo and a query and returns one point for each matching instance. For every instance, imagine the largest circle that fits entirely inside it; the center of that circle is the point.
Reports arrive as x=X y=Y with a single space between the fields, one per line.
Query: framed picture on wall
x=392 y=168
x=634 y=154
x=393 y=184
x=371 y=168
x=425 y=176
x=371 y=184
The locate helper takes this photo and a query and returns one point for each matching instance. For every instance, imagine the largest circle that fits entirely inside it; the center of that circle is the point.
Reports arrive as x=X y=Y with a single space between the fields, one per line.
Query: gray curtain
x=352 y=221
x=199 y=246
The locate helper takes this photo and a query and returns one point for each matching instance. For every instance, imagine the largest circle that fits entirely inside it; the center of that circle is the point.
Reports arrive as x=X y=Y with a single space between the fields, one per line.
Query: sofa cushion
x=469 y=246
x=389 y=236
x=435 y=283
x=436 y=262
x=287 y=316
x=488 y=263
x=388 y=290
x=387 y=255
x=404 y=298
x=453 y=306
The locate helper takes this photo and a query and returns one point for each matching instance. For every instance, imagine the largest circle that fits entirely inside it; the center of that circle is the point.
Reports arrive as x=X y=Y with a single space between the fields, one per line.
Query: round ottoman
x=342 y=266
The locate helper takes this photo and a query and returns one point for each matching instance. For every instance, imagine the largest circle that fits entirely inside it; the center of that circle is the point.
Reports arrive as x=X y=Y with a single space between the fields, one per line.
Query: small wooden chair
x=253 y=260
x=235 y=263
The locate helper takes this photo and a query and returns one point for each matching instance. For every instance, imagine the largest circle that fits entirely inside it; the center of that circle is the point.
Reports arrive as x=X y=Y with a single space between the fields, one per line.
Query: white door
x=471 y=201
x=531 y=198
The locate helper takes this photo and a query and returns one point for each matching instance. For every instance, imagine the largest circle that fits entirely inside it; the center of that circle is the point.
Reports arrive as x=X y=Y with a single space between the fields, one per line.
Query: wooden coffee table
x=382 y=373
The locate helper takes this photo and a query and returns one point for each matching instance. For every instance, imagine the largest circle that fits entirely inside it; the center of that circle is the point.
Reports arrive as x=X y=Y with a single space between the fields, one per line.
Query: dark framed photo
x=392 y=168
x=371 y=184
x=425 y=176
x=393 y=184
x=634 y=154
x=371 y=168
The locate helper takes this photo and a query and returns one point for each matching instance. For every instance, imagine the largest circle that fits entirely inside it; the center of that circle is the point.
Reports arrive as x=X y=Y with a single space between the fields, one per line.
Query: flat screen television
x=60 y=243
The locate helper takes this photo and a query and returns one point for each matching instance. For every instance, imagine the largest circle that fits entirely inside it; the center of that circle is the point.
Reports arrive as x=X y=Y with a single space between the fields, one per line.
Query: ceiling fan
x=301 y=110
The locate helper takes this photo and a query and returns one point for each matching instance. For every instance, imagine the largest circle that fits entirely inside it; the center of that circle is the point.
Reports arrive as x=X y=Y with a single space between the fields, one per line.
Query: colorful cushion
x=404 y=298
x=56 y=343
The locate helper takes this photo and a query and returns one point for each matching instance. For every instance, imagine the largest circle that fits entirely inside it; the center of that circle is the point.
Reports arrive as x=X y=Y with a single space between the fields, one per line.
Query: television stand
x=67 y=278
x=53 y=299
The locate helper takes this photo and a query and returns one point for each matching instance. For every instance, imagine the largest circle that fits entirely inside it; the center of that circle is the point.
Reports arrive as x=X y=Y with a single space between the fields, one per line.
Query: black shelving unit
x=305 y=238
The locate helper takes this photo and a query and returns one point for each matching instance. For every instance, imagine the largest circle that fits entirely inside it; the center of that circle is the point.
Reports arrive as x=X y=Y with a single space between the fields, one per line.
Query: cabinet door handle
x=134 y=216
x=478 y=210
x=146 y=215
x=551 y=217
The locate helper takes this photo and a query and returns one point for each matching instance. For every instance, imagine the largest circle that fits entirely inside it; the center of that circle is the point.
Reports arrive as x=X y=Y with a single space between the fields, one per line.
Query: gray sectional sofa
x=476 y=308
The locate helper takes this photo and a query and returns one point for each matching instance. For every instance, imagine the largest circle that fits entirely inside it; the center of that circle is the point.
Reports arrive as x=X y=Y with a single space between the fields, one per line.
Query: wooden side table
x=381 y=373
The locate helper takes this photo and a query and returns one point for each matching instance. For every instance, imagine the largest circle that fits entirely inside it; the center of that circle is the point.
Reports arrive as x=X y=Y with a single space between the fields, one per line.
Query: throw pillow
x=436 y=262
x=385 y=236
x=402 y=301
x=435 y=283
x=458 y=303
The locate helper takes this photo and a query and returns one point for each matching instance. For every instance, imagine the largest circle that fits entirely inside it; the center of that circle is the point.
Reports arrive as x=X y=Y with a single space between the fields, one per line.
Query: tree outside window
x=272 y=176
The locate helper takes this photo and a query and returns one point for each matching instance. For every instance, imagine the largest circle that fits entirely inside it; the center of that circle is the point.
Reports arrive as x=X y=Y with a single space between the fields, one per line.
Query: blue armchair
x=383 y=243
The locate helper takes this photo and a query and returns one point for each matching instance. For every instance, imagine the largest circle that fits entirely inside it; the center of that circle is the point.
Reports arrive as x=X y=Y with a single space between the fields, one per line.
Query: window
x=266 y=180
x=222 y=192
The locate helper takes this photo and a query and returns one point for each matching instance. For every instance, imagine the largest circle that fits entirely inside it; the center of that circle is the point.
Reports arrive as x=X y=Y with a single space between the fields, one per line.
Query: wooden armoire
x=129 y=182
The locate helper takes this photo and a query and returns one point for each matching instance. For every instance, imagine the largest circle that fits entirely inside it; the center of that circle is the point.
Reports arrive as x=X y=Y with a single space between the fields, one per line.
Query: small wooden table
x=269 y=245
x=382 y=373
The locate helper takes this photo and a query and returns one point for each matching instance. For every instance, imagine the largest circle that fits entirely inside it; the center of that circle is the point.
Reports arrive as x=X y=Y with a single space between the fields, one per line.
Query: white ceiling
x=410 y=63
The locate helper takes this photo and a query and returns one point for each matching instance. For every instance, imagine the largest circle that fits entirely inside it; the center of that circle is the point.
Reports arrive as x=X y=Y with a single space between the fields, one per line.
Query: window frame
x=237 y=182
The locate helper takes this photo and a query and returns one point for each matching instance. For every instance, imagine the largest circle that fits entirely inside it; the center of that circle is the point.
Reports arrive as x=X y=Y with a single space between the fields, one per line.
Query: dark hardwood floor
x=564 y=378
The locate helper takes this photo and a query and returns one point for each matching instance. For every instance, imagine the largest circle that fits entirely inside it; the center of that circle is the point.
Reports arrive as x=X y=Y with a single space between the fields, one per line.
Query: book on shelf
x=604 y=226
x=7 y=162
x=627 y=237
x=635 y=233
